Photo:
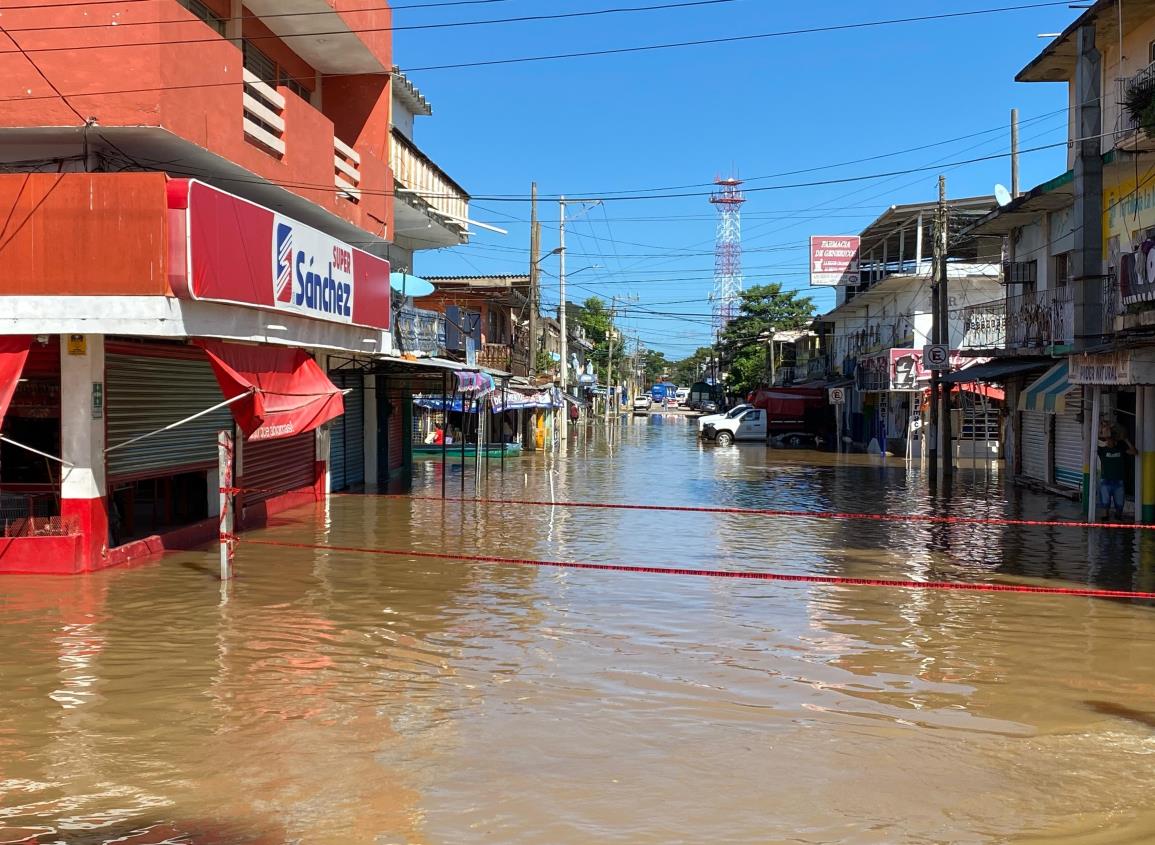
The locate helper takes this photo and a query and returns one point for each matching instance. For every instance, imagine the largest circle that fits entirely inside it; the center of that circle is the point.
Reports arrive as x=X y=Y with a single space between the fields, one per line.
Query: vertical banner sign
x=834 y=260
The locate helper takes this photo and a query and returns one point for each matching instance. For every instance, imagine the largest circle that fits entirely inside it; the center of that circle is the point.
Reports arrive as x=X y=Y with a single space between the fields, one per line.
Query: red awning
x=288 y=393
x=13 y=354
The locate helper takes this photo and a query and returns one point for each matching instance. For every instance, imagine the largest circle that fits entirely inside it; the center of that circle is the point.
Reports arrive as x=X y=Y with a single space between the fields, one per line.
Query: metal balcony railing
x=424 y=184
x=1128 y=134
x=1041 y=319
x=985 y=325
x=500 y=356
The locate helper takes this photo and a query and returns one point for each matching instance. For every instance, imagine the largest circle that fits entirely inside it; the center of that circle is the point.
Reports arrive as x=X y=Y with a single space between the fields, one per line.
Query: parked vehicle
x=642 y=404
x=748 y=425
x=662 y=391
x=715 y=418
x=709 y=407
x=794 y=412
x=701 y=392
x=683 y=396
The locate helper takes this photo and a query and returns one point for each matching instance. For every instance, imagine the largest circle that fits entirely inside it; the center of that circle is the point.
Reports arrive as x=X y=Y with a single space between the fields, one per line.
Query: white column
x=82 y=409
x=371 y=434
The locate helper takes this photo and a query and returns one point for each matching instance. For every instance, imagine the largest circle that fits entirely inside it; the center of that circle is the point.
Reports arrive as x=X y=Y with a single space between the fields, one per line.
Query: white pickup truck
x=710 y=419
x=749 y=424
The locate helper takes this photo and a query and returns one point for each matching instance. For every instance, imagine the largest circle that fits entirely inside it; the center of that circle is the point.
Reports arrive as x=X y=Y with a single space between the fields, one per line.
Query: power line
x=736 y=38
x=351 y=30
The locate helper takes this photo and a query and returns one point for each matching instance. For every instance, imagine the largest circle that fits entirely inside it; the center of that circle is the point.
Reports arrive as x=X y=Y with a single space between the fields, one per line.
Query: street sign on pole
x=936 y=356
x=838 y=396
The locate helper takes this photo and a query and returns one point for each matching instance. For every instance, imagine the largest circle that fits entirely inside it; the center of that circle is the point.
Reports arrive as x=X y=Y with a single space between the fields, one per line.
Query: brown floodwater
x=337 y=697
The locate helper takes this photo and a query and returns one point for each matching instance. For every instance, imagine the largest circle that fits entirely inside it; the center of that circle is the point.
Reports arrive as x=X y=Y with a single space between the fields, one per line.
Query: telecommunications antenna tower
x=728 y=199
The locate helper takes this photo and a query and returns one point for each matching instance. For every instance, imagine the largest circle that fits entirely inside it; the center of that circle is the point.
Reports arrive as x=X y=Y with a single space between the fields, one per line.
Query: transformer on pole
x=728 y=282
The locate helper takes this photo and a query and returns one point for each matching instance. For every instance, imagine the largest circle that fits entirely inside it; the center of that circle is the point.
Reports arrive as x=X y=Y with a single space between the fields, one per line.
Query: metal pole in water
x=463 y=439
x=225 y=474
x=444 y=435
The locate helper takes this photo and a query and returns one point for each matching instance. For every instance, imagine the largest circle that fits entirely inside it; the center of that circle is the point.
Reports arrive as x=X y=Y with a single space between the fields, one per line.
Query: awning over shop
x=513 y=400
x=1049 y=391
x=474 y=384
x=996 y=370
x=13 y=354
x=288 y=394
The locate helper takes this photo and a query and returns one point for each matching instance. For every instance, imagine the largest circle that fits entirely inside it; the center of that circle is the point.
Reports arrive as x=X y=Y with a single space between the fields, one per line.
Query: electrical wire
x=350 y=30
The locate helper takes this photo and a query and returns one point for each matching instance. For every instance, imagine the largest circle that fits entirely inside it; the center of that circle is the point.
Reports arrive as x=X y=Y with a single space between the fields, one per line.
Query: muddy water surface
x=340 y=697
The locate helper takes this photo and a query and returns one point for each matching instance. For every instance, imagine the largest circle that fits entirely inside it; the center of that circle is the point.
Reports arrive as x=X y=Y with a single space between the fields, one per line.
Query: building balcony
x=500 y=356
x=431 y=209
x=1032 y=322
x=164 y=89
x=1128 y=134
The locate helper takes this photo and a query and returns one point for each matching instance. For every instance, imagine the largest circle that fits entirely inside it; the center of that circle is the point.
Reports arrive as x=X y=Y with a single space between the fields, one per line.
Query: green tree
x=689 y=370
x=762 y=308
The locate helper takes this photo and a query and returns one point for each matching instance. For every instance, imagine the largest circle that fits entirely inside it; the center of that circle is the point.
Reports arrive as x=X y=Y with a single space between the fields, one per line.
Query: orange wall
x=194 y=91
x=84 y=233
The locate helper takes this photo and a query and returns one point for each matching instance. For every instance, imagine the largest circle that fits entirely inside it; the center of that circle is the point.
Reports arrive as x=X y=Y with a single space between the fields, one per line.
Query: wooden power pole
x=942 y=445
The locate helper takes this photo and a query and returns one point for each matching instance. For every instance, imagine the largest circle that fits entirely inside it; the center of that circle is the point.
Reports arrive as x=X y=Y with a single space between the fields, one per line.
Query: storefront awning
x=13 y=354
x=288 y=394
x=996 y=370
x=1049 y=391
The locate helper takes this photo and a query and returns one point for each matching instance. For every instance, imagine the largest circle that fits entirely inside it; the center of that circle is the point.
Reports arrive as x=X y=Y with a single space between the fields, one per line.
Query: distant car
x=683 y=395
x=708 y=407
x=749 y=425
x=642 y=404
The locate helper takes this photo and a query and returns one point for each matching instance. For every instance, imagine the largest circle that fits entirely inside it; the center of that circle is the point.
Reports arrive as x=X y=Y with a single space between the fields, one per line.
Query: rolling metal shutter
x=347 y=435
x=270 y=467
x=397 y=436
x=1069 y=442
x=146 y=393
x=1034 y=428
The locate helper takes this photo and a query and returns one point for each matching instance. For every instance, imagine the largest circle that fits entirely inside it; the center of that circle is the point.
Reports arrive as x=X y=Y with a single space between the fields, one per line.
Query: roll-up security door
x=145 y=393
x=1034 y=457
x=271 y=467
x=347 y=435
x=1069 y=442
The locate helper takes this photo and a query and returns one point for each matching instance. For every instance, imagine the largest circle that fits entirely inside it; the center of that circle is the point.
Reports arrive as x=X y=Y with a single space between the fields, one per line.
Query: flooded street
x=339 y=697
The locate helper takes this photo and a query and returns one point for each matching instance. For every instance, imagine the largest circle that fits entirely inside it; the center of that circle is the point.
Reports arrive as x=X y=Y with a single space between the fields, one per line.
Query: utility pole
x=561 y=317
x=1014 y=153
x=942 y=437
x=534 y=277
x=610 y=360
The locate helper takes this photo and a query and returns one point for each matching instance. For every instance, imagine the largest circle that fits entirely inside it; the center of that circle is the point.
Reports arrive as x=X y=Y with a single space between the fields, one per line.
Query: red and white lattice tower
x=728 y=282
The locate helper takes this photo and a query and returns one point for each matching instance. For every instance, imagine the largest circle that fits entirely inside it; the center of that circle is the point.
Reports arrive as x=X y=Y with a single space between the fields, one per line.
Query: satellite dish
x=409 y=285
x=1002 y=195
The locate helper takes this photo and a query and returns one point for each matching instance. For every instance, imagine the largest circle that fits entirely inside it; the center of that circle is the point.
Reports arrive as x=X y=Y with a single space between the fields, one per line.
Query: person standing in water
x=1113 y=449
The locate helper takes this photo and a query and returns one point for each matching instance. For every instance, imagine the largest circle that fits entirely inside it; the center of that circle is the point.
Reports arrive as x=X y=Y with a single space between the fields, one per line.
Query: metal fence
x=1031 y=320
x=24 y=514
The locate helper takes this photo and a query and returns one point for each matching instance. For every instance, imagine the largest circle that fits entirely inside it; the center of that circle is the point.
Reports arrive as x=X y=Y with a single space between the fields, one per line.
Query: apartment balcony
x=500 y=356
x=431 y=209
x=1128 y=134
x=164 y=89
x=1033 y=322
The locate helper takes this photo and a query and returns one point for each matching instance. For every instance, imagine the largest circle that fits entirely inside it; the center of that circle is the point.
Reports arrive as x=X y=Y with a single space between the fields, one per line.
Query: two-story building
x=1080 y=277
x=201 y=201
x=876 y=331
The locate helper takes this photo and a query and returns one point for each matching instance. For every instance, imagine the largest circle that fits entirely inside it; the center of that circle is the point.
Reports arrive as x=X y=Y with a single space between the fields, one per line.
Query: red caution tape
x=834 y=580
x=876 y=517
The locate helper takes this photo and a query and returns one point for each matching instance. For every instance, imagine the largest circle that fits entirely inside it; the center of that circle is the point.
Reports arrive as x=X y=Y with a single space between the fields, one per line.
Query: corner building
x=184 y=183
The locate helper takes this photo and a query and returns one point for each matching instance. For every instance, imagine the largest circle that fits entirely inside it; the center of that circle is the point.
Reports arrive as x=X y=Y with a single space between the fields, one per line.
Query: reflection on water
x=335 y=697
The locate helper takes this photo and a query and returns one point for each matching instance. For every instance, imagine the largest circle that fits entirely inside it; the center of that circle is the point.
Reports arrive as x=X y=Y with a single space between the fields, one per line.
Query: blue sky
x=585 y=127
